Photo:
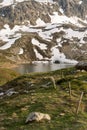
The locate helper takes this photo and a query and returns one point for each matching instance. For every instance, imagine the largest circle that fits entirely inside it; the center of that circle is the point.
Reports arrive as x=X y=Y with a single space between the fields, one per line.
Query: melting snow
x=61 y=10
x=6 y=2
x=56 y=18
x=21 y=51
x=57 y=56
x=40 y=22
x=37 y=43
x=59 y=42
x=75 y=34
x=9 y=35
x=48 y=34
x=38 y=55
x=10 y=2
x=80 y=2
x=46 y=1
x=9 y=41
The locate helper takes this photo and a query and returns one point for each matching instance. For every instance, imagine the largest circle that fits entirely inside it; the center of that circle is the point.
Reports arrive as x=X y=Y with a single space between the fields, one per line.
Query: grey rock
x=1 y=93
x=81 y=66
x=37 y=116
x=10 y=92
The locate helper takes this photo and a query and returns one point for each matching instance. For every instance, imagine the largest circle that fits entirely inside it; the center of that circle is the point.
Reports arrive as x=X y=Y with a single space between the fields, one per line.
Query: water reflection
x=40 y=67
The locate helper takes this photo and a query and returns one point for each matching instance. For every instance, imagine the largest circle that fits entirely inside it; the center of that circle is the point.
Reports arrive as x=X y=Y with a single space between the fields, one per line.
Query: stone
x=1 y=94
x=37 y=116
x=62 y=114
x=10 y=92
x=81 y=66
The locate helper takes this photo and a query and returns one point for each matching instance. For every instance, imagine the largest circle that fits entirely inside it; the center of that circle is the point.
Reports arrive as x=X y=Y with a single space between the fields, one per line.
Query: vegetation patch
x=7 y=75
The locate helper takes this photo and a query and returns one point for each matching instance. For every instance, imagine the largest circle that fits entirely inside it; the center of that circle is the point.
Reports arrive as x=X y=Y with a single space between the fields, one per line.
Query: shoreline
x=9 y=65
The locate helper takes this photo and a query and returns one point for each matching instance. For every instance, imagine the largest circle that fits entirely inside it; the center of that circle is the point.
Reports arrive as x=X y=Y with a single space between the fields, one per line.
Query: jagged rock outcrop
x=26 y=11
x=31 y=10
x=28 y=52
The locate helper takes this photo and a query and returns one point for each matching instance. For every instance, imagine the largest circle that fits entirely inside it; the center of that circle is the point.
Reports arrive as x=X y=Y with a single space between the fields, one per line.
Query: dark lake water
x=40 y=67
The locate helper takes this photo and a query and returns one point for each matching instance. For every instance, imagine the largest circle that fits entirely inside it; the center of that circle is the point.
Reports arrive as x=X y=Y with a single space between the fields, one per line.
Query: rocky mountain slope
x=43 y=30
x=74 y=7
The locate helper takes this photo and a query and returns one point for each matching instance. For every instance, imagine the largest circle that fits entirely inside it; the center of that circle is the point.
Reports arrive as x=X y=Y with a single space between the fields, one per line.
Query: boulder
x=37 y=116
x=81 y=66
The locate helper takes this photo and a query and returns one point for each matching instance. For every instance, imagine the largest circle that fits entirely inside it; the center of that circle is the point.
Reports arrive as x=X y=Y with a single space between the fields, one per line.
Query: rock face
x=31 y=10
x=26 y=11
x=74 y=7
x=37 y=116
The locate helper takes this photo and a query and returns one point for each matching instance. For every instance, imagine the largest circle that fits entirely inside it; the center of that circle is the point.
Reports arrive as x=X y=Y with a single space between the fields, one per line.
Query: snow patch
x=38 y=55
x=80 y=2
x=40 y=45
x=9 y=36
x=6 y=2
x=75 y=34
x=21 y=51
x=11 y=2
x=40 y=22
x=57 y=56
x=61 y=10
x=44 y=1
x=10 y=42
x=61 y=19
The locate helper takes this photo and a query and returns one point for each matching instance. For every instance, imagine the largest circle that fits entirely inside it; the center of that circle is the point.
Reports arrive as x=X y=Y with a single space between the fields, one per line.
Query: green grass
x=56 y=102
x=7 y=75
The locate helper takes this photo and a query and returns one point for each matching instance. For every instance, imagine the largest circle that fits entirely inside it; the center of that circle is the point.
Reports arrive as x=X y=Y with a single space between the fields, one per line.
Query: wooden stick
x=79 y=103
x=53 y=81
x=61 y=74
x=70 y=91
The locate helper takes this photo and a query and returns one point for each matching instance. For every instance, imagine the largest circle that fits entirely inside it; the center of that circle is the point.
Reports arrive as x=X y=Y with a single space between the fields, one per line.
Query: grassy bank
x=36 y=92
x=7 y=75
